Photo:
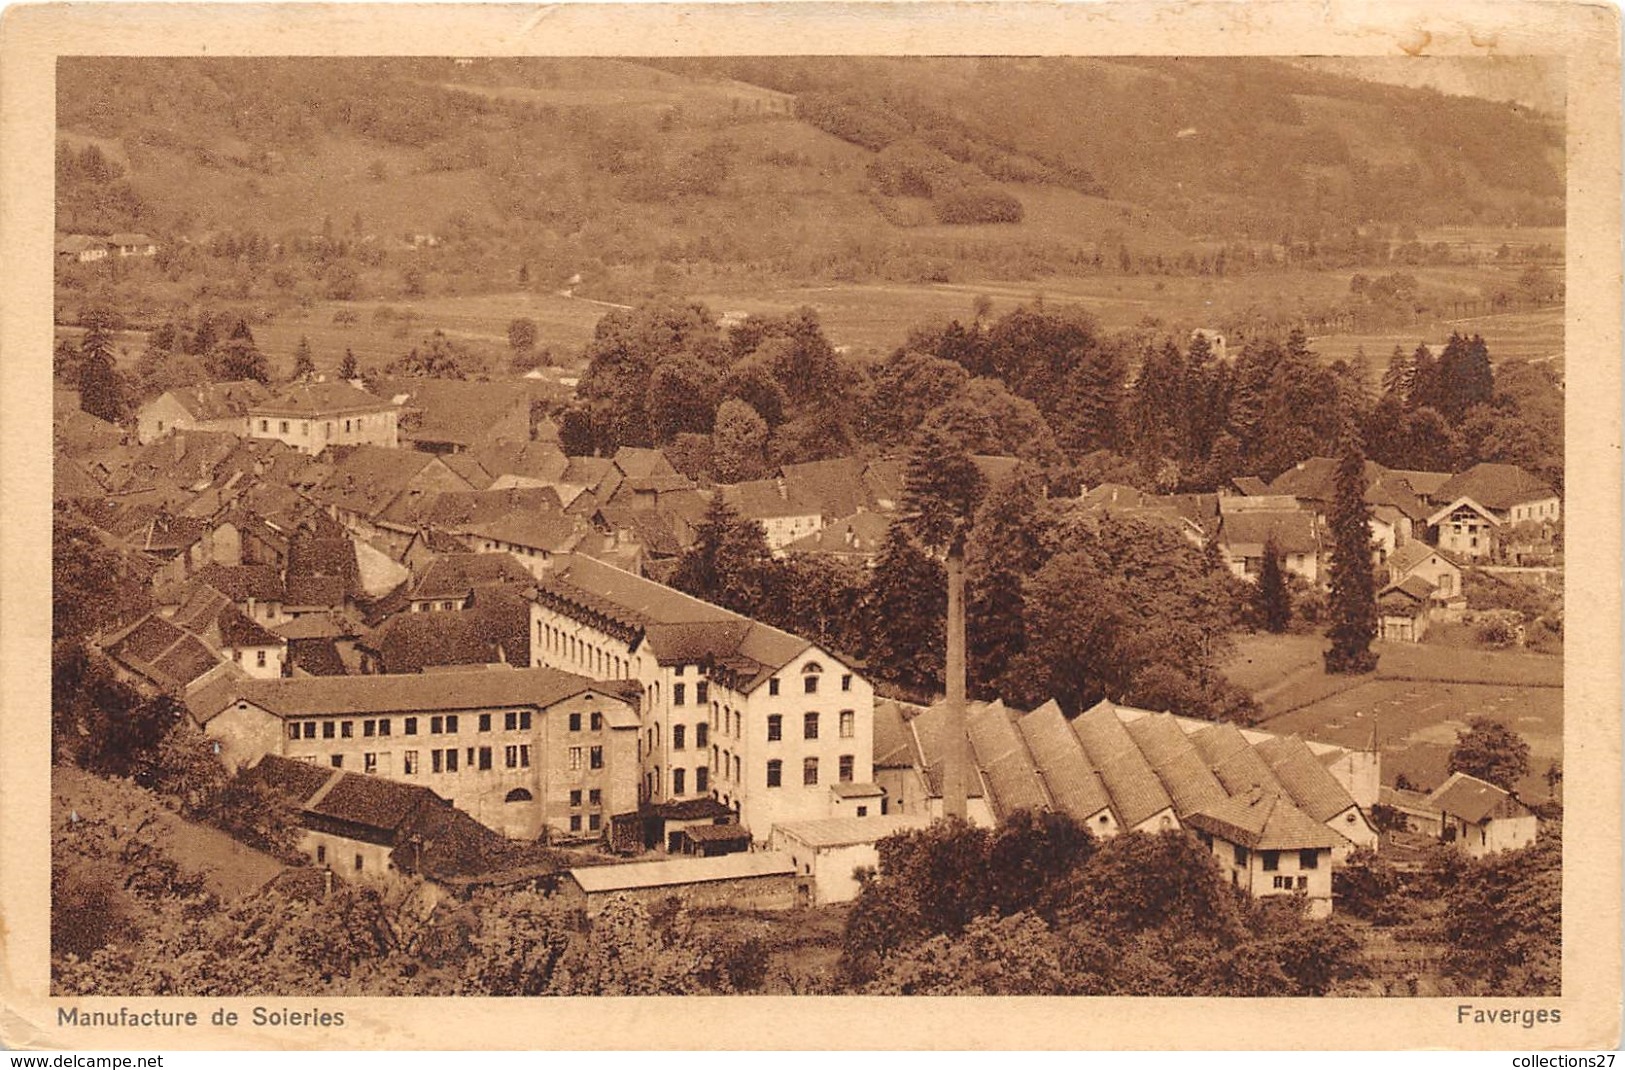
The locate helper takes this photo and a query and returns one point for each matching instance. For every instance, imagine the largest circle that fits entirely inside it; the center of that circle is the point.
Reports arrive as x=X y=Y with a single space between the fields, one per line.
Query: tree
x=627 y=347
x=438 y=358
x=1353 y=593
x=238 y=357
x=1273 y=601
x=729 y=562
x=1011 y=538
x=101 y=390
x=905 y=611
x=348 y=368
x=1490 y=751
x=522 y=334
x=682 y=398
x=1504 y=921
x=304 y=365
x=984 y=417
x=739 y=442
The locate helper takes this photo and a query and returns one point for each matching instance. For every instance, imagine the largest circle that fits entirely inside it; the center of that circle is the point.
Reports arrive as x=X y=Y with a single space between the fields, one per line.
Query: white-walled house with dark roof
x=765 y=722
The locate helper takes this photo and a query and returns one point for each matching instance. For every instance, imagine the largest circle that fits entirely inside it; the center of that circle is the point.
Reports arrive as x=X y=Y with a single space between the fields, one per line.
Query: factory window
x=847 y=762
x=809 y=771
x=329 y=729
x=677 y=693
x=809 y=726
x=485 y=722
x=595 y=757
x=409 y=762
x=678 y=734
x=846 y=681
x=702 y=693
x=773 y=686
x=775 y=727
x=679 y=779
x=702 y=780
x=575 y=722
x=411 y=728
x=702 y=735
x=774 y=773
x=849 y=724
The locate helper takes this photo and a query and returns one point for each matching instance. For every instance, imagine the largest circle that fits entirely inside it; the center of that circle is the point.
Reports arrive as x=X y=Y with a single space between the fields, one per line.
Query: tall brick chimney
x=956 y=756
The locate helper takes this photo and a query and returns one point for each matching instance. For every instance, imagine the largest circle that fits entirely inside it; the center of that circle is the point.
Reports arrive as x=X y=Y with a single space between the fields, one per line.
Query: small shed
x=710 y=840
x=829 y=851
x=760 y=880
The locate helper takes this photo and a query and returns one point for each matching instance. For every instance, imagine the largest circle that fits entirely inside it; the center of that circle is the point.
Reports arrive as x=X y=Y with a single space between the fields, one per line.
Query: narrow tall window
x=847 y=763
x=678 y=777
x=775 y=727
x=809 y=771
x=677 y=693
x=809 y=726
x=849 y=724
x=774 y=773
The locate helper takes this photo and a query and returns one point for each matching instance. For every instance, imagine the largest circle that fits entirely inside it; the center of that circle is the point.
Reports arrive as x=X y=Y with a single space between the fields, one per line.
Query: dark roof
x=1312 y=787
x=1002 y=756
x=315 y=696
x=553 y=532
x=1416 y=588
x=1495 y=486
x=1413 y=553
x=496 y=628
x=318 y=400
x=1068 y=777
x=459 y=575
x=168 y=656
x=1233 y=760
x=318 y=657
x=717 y=833
x=1316 y=479
x=1474 y=800
x=1251 y=486
x=893 y=748
x=218 y=401
x=654 y=529
x=458 y=412
x=1295 y=532
x=206 y=609
x=542 y=461
x=1264 y=821
x=638 y=463
x=690 y=810
x=296 y=779
x=836 y=485
x=676 y=627
x=861 y=534
x=370 y=801
x=327 y=592
x=459 y=508
x=765 y=499
x=369 y=479
x=1135 y=791
x=1175 y=760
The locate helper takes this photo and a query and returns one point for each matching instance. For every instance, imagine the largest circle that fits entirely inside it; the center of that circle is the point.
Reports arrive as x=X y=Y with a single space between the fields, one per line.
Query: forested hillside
x=792 y=169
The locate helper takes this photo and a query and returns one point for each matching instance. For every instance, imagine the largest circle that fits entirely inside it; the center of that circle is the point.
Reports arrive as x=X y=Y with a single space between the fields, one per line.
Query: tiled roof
x=1190 y=783
x=883 y=482
x=461 y=412
x=1295 y=532
x=1068 y=777
x=326 y=592
x=313 y=696
x=700 y=809
x=929 y=728
x=1251 y=486
x=1415 y=587
x=1135 y=791
x=1316 y=479
x=553 y=532
x=676 y=627
x=542 y=461
x=168 y=656
x=370 y=801
x=1004 y=760
x=629 y=875
x=314 y=626
x=205 y=608
x=1233 y=760
x=836 y=485
x=654 y=529
x=317 y=400
x=1473 y=800
x=892 y=746
x=468 y=468
x=1423 y=484
x=369 y=478
x=1312 y=787
x=458 y=575
x=1264 y=821
x=318 y=657
x=458 y=508
x=298 y=780
x=218 y=401
x=1495 y=486
x=640 y=463
x=863 y=533
x=496 y=629
x=846 y=831
x=766 y=499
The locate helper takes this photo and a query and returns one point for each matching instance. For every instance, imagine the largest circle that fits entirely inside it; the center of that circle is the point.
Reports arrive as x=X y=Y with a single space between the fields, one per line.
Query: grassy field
x=1534 y=335
x=1419 y=698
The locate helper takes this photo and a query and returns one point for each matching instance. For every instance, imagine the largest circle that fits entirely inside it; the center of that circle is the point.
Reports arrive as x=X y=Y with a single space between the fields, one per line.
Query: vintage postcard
x=1066 y=507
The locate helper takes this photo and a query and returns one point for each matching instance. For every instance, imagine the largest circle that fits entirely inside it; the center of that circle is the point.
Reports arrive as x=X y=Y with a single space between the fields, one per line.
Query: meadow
x=1421 y=696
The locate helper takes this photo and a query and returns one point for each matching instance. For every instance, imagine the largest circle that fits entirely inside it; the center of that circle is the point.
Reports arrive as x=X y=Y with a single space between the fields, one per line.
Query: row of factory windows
x=446 y=724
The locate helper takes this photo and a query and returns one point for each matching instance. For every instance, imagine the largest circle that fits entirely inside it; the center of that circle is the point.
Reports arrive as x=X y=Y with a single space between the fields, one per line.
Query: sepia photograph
x=814 y=525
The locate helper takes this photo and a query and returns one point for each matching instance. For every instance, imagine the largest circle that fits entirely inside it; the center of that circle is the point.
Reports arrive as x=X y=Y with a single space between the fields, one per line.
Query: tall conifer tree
x=1353 y=585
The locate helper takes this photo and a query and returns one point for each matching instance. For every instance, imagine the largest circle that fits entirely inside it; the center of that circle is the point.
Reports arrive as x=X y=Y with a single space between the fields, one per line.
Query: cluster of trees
x=93 y=193
x=1037 y=907
x=1058 y=606
x=1453 y=410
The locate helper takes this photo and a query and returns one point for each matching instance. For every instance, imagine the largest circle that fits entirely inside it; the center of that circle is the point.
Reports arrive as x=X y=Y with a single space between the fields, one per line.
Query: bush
x=1497 y=632
x=981 y=205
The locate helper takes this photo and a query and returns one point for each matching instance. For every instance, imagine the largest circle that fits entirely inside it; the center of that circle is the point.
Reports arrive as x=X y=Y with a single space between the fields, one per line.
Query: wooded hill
x=809 y=168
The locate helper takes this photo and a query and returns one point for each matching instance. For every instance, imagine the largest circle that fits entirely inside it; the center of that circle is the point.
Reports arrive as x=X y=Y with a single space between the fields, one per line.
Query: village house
x=212 y=617
x=783 y=518
x=492 y=629
x=1481 y=818
x=360 y=827
x=534 y=540
x=380 y=494
x=522 y=750
x=1492 y=508
x=1244 y=531
x=759 y=719
x=204 y=407
x=156 y=654
x=856 y=539
x=1268 y=847
x=313 y=416
x=127 y=244
x=80 y=248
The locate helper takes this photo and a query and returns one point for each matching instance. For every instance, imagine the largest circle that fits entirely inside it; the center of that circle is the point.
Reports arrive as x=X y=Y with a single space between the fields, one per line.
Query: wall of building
x=245 y=734
x=830 y=868
x=312 y=435
x=341 y=853
x=1287 y=878
x=259 y=662
x=774 y=891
